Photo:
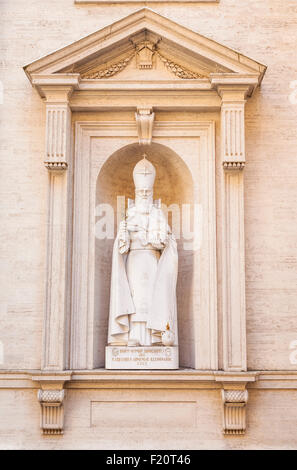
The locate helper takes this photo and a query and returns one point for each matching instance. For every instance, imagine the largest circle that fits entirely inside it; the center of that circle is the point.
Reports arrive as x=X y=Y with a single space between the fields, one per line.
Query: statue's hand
x=124 y=248
x=123 y=226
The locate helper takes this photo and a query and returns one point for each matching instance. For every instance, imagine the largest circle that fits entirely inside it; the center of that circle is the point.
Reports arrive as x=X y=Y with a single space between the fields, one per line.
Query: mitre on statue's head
x=144 y=174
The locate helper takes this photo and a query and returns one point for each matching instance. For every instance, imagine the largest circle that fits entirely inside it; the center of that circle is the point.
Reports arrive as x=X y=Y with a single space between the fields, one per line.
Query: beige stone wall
x=265 y=31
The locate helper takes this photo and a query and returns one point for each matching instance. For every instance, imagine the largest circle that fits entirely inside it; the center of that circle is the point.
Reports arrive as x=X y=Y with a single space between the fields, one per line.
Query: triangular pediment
x=145 y=46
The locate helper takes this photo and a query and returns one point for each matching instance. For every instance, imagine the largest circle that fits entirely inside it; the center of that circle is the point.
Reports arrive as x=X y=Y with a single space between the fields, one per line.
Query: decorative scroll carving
x=144 y=121
x=234 y=414
x=178 y=70
x=110 y=71
x=52 y=412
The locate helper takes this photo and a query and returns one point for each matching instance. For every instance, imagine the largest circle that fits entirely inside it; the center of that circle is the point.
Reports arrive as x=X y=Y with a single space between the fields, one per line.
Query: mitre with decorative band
x=144 y=174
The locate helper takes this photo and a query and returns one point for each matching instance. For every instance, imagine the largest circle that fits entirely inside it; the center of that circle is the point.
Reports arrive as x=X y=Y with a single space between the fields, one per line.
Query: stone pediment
x=144 y=47
x=145 y=59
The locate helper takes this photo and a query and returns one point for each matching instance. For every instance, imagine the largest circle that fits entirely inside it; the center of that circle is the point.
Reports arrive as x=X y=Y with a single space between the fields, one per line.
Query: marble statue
x=144 y=271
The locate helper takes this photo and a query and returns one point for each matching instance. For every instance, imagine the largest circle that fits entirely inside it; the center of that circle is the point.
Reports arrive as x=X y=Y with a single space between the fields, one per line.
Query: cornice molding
x=55 y=87
x=101 y=378
x=234 y=86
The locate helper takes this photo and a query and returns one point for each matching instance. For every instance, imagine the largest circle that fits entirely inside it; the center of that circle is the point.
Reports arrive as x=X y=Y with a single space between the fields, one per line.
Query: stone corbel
x=52 y=411
x=51 y=398
x=145 y=122
x=234 y=409
x=234 y=399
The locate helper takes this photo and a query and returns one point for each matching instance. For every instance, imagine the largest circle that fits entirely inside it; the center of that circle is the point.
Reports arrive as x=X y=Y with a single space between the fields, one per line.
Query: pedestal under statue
x=142 y=332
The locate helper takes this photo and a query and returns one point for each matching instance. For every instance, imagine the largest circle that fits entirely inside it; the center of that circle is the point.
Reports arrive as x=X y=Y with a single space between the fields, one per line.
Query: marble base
x=141 y=357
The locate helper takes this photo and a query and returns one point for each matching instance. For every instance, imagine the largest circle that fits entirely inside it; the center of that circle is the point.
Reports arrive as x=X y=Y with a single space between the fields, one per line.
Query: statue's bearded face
x=144 y=194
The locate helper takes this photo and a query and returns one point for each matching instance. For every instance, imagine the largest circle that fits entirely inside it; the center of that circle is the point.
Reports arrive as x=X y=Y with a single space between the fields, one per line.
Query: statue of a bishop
x=144 y=271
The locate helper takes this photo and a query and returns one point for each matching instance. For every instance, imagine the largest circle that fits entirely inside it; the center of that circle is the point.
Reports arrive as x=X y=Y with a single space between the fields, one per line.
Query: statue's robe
x=161 y=308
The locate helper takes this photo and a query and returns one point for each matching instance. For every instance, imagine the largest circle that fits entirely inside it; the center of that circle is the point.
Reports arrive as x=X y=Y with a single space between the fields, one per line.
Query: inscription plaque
x=142 y=357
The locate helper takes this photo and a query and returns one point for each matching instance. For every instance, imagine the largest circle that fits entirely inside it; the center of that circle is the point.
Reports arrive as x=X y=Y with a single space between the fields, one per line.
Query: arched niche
x=184 y=156
x=174 y=186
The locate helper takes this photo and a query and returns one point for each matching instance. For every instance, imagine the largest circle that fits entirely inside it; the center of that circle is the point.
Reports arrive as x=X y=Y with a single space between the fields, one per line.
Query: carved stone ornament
x=144 y=121
x=234 y=413
x=56 y=166
x=52 y=412
x=110 y=71
x=144 y=54
x=233 y=165
x=58 y=122
x=178 y=70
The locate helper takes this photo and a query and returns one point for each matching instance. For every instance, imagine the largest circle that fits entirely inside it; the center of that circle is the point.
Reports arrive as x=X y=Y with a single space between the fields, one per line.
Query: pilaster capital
x=58 y=132
x=57 y=94
x=56 y=88
x=233 y=166
x=234 y=87
x=233 y=133
x=233 y=95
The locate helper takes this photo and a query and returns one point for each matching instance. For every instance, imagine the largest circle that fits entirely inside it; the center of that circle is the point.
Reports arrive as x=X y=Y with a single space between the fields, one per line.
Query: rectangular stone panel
x=143 y=414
